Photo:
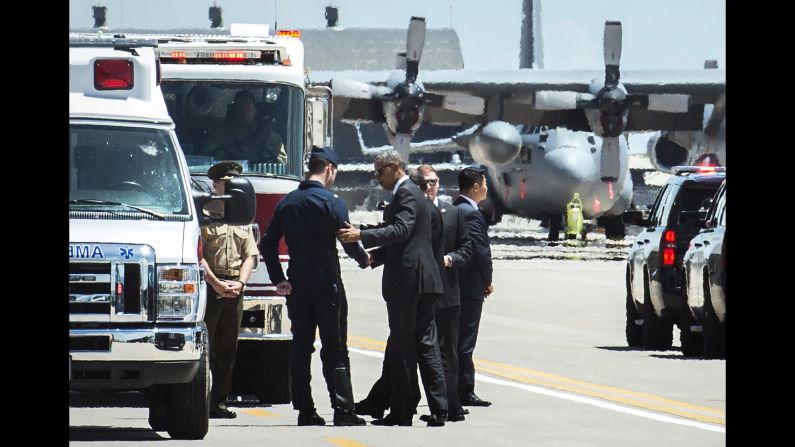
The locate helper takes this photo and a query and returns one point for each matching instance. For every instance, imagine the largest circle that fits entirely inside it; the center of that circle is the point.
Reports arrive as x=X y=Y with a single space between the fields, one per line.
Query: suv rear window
x=693 y=196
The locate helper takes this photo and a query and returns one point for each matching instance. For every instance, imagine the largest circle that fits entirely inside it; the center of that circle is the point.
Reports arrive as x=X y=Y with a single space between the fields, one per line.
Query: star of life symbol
x=126 y=252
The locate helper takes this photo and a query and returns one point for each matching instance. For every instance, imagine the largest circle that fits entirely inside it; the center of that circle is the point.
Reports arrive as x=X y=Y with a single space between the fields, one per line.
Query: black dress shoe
x=474 y=401
x=365 y=408
x=466 y=410
x=310 y=417
x=456 y=417
x=434 y=420
x=390 y=420
x=344 y=418
x=222 y=413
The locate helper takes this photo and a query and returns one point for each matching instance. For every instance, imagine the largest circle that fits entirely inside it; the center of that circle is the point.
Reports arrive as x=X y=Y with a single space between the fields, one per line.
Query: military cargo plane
x=542 y=134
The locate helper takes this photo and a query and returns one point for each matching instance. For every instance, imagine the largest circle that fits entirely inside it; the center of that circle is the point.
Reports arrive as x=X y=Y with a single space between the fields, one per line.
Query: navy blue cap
x=326 y=153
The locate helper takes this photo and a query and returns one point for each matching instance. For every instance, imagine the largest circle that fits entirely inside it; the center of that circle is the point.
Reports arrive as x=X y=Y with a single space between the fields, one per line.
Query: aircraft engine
x=497 y=143
x=664 y=154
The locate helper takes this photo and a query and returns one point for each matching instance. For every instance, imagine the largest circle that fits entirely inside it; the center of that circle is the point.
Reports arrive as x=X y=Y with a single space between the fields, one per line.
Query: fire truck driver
x=229 y=253
x=244 y=137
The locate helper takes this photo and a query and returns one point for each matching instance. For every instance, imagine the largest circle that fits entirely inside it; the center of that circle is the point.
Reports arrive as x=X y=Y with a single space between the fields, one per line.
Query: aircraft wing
x=516 y=89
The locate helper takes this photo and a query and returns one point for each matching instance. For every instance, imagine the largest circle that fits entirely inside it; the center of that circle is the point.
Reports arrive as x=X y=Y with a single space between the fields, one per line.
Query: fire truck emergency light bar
x=110 y=42
x=214 y=56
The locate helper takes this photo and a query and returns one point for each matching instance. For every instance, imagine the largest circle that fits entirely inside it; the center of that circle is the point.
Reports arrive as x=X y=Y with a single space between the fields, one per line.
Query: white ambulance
x=136 y=289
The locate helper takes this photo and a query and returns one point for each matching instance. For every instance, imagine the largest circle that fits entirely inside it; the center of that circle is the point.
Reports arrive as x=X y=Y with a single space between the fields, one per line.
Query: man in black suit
x=409 y=284
x=474 y=280
x=457 y=251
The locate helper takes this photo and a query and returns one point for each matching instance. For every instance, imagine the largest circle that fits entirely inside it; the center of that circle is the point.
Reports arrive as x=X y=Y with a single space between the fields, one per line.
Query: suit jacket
x=458 y=246
x=437 y=242
x=474 y=277
x=410 y=267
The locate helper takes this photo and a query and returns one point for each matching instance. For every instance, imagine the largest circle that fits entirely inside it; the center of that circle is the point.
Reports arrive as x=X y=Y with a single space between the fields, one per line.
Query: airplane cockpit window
x=260 y=125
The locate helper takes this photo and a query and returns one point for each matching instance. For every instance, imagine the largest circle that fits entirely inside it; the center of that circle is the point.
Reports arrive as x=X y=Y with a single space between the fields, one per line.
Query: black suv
x=704 y=288
x=654 y=261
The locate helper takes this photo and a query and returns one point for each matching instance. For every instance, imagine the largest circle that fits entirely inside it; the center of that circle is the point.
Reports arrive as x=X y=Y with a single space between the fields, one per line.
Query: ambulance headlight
x=178 y=292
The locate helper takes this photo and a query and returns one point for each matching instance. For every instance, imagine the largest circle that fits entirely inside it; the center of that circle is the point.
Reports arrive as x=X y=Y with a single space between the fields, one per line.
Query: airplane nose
x=570 y=167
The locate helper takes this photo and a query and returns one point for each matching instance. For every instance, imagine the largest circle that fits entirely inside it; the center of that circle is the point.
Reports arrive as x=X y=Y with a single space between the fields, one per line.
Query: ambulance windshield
x=130 y=165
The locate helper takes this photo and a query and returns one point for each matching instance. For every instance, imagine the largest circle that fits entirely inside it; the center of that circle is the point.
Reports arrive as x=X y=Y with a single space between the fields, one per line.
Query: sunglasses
x=432 y=181
x=377 y=173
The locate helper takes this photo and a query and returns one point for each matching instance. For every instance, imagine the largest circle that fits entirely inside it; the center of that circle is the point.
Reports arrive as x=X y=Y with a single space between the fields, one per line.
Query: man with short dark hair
x=410 y=282
x=308 y=218
x=474 y=280
x=457 y=251
x=228 y=259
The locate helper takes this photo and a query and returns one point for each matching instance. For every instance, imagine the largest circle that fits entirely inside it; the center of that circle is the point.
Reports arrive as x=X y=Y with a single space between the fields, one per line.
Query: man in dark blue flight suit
x=308 y=218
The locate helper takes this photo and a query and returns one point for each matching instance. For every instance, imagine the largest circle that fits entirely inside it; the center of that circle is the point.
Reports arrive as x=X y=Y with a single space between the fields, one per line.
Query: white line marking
x=577 y=398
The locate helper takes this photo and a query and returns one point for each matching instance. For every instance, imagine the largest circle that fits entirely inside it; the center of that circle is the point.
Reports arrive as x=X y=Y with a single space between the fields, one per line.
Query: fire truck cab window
x=259 y=125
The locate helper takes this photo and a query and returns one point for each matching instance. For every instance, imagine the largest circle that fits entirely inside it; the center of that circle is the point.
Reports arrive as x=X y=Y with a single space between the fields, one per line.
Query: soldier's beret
x=224 y=170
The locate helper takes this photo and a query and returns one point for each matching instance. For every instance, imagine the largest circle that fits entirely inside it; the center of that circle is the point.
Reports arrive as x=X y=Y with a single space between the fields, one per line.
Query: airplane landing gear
x=555 y=225
x=613 y=225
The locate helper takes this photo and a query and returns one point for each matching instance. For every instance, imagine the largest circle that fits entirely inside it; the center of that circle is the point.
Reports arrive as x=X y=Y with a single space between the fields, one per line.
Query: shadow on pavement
x=107 y=399
x=620 y=348
x=94 y=433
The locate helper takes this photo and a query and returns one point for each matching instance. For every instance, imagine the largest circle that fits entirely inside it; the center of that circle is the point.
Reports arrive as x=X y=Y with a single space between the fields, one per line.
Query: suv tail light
x=669 y=247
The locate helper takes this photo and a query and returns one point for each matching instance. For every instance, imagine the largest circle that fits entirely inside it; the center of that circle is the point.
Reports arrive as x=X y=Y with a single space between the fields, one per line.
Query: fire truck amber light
x=179 y=54
x=290 y=33
x=113 y=74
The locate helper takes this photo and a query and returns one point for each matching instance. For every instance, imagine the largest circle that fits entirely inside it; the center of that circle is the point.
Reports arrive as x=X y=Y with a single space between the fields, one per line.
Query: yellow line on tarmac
x=486 y=363
x=547 y=380
x=670 y=409
x=261 y=413
x=344 y=442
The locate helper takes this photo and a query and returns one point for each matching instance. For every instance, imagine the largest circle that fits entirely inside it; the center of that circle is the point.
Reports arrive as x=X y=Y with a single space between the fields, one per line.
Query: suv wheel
x=189 y=403
x=634 y=331
x=692 y=344
x=714 y=330
x=658 y=333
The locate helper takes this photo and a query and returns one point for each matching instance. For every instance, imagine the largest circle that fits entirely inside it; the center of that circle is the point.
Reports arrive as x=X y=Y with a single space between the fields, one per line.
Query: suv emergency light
x=697 y=169
x=113 y=74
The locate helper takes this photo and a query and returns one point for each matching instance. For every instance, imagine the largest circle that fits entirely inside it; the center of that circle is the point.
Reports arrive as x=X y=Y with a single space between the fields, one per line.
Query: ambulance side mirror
x=239 y=199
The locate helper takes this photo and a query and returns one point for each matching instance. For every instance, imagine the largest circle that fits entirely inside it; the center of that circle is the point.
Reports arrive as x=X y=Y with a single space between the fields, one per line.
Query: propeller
x=610 y=159
x=608 y=104
x=403 y=101
x=609 y=99
x=716 y=117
